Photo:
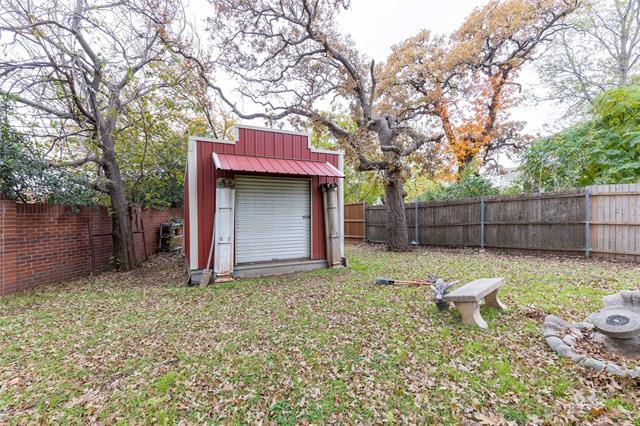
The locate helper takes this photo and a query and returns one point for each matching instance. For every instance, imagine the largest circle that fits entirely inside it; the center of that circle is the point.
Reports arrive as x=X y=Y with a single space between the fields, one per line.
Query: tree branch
x=34 y=104
x=76 y=163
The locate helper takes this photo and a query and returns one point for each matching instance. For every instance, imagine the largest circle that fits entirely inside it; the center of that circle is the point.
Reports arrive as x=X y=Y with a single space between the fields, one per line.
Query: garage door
x=272 y=219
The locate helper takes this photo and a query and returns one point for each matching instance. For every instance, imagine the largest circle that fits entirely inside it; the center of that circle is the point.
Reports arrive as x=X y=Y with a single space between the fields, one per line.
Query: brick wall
x=42 y=243
x=151 y=219
x=8 y=252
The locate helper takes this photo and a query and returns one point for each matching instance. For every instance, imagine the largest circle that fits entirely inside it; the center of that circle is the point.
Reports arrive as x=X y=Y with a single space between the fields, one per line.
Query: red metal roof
x=245 y=163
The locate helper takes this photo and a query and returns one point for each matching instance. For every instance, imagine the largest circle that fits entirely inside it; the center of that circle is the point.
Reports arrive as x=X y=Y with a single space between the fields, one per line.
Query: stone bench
x=467 y=299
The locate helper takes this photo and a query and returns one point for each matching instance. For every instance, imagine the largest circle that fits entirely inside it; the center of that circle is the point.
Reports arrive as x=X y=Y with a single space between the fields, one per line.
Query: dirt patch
x=534 y=313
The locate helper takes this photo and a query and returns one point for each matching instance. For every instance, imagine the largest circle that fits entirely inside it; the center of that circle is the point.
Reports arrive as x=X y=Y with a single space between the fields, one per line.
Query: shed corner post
x=341 y=202
x=192 y=177
x=482 y=222
x=587 y=224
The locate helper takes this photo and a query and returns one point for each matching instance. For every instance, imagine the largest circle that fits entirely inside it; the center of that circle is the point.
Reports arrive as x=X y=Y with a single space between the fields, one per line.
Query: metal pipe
x=587 y=227
x=482 y=222
x=417 y=238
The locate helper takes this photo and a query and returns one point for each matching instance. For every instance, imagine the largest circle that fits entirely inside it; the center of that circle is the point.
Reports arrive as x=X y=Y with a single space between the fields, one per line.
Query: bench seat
x=467 y=299
x=475 y=291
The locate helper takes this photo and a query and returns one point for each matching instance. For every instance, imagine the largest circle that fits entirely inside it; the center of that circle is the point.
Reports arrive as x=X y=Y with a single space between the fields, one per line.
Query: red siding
x=260 y=143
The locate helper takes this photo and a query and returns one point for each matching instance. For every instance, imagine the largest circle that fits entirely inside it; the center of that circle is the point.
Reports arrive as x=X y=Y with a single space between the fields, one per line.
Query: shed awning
x=245 y=163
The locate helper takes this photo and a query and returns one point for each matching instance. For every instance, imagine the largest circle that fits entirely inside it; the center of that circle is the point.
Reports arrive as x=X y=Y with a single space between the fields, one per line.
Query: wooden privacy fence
x=354 y=222
x=601 y=221
x=614 y=221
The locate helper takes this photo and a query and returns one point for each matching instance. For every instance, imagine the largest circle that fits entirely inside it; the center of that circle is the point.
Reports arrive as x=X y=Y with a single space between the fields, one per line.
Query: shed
x=268 y=201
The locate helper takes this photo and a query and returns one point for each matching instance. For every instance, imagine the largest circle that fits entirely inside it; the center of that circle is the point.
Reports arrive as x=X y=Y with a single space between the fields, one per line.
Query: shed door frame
x=311 y=218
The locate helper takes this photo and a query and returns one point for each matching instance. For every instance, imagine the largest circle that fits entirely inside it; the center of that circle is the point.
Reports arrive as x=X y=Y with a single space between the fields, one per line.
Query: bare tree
x=76 y=67
x=509 y=142
x=600 y=50
x=291 y=61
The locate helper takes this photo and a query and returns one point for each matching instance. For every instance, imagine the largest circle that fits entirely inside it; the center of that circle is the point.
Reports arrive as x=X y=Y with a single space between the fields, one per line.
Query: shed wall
x=259 y=143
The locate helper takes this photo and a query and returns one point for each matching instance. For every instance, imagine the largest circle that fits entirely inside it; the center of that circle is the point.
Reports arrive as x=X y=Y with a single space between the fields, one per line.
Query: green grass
x=318 y=347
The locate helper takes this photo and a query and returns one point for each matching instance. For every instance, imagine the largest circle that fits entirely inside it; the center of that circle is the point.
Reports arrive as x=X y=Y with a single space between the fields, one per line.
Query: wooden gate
x=354 y=222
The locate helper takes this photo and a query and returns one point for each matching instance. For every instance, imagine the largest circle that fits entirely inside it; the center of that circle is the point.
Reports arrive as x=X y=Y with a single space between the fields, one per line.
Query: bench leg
x=470 y=312
x=492 y=300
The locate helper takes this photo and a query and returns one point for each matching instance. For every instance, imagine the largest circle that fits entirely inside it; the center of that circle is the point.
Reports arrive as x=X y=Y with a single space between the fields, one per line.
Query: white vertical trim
x=192 y=164
x=341 y=201
x=224 y=231
x=216 y=161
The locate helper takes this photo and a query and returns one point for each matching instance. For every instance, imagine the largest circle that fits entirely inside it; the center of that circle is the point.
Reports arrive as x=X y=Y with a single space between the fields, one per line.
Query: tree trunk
x=463 y=165
x=123 y=244
x=397 y=234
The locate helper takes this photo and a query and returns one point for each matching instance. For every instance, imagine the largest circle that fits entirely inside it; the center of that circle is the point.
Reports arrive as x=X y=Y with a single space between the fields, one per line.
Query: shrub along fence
x=600 y=221
x=41 y=243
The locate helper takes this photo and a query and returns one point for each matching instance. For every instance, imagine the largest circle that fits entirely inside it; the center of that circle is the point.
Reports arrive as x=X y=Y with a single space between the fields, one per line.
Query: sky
x=375 y=28
x=376 y=25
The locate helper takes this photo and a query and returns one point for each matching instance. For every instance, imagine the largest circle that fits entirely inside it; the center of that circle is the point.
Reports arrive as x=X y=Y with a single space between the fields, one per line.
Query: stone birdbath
x=605 y=339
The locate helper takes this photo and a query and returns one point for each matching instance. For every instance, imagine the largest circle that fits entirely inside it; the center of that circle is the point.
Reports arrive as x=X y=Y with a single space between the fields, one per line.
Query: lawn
x=325 y=346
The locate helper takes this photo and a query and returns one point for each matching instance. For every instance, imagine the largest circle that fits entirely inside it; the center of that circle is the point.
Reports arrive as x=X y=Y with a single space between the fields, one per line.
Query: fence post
x=587 y=225
x=364 y=222
x=482 y=222
x=416 y=239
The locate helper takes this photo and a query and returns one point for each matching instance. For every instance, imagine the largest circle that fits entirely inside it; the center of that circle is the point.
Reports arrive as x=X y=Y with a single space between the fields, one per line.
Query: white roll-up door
x=272 y=219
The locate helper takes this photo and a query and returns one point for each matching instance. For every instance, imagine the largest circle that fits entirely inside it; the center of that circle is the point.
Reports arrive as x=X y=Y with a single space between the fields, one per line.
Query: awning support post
x=331 y=223
x=224 y=226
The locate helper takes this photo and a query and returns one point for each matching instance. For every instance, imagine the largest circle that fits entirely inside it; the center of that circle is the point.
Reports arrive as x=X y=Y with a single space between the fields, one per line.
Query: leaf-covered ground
x=325 y=346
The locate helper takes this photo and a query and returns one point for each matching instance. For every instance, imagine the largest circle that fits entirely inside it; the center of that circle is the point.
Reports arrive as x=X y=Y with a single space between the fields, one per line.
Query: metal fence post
x=417 y=237
x=482 y=222
x=587 y=219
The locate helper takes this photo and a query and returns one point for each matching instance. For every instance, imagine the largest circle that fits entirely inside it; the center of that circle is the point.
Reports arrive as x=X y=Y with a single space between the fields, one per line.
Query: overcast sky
x=376 y=25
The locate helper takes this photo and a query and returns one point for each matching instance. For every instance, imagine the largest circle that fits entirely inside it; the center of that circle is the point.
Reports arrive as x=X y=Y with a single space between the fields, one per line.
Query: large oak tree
x=469 y=79
x=75 y=68
x=290 y=60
